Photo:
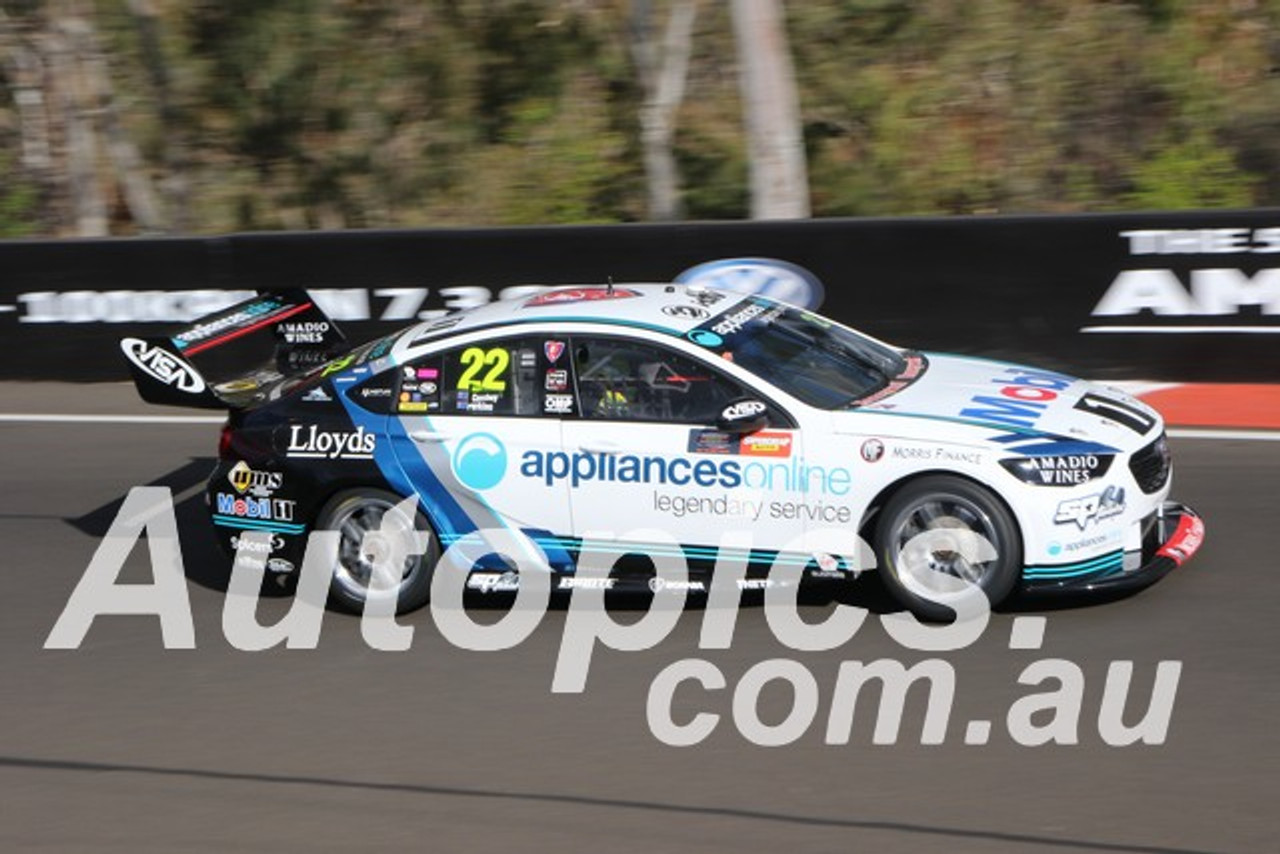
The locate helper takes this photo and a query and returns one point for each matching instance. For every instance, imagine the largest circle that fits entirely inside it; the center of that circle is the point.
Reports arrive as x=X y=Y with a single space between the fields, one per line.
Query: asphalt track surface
x=122 y=745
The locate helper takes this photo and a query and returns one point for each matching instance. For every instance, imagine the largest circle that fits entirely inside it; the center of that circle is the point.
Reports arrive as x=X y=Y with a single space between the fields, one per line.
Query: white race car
x=661 y=420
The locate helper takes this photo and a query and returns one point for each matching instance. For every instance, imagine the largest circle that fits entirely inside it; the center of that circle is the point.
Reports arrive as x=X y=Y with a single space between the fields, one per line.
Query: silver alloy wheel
x=942 y=513
x=363 y=545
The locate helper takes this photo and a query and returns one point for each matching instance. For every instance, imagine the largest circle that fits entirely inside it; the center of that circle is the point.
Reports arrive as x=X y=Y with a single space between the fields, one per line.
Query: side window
x=632 y=380
x=508 y=377
x=420 y=387
x=486 y=379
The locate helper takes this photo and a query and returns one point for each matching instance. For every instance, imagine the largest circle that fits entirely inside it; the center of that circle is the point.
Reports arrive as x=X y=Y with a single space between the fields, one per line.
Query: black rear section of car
x=278 y=466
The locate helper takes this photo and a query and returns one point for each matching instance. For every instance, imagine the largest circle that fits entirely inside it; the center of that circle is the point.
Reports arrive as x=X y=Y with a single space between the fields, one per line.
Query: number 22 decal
x=474 y=360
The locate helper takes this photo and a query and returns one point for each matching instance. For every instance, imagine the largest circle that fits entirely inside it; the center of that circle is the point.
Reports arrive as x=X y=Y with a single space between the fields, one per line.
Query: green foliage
x=393 y=113
x=1011 y=106
x=18 y=202
x=1197 y=173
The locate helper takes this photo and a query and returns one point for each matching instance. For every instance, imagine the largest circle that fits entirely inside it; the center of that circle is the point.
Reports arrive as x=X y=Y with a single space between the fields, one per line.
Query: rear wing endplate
x=164 y=369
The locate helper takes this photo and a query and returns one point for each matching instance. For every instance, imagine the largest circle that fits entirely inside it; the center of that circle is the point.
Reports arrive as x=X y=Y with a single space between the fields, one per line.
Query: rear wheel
x=372 y=531
x=927 y=542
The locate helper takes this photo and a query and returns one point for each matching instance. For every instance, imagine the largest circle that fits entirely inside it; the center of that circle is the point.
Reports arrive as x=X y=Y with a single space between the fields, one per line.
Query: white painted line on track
x=59 y=418
x=1224 y=435
x=1252 y=330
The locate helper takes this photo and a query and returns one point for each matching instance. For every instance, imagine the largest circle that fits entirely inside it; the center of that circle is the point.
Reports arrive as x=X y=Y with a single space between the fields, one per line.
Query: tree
x=72 y=138
x=120 y=116
x=775 y=147
x=661 y=68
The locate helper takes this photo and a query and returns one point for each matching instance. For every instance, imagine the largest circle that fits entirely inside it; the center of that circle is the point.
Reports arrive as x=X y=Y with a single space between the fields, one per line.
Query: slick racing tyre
x=931 y=544
x=372 y=532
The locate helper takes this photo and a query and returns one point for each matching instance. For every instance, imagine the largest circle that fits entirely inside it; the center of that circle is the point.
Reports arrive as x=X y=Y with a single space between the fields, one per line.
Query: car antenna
x=609 y=285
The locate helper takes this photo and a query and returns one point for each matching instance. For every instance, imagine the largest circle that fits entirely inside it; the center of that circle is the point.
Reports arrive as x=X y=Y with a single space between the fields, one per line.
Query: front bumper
x=1174 y=535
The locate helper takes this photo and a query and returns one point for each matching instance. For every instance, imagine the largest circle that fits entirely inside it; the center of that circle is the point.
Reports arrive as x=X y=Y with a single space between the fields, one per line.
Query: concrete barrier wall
x=1177 y=296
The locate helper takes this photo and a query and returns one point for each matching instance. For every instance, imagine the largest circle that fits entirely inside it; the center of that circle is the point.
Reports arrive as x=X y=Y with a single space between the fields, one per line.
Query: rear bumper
x=1174 y=536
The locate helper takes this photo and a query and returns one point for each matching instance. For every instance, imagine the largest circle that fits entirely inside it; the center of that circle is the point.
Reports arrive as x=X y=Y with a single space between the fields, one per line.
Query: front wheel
x=372 y=531
x=943 y=533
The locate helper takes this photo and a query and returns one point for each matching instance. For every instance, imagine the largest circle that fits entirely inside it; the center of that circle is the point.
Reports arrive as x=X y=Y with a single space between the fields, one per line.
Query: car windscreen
x=809 y=357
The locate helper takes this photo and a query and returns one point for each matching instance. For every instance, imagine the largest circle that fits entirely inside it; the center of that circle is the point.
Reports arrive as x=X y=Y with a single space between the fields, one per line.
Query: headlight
x=1062 y=470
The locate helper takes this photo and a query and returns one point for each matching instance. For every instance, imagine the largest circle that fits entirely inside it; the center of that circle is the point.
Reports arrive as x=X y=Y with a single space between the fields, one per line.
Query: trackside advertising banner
x=1176 y=296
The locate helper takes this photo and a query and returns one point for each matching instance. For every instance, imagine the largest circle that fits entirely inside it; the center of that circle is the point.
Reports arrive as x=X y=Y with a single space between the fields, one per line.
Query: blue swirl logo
x=768 y=277
x=480 y=461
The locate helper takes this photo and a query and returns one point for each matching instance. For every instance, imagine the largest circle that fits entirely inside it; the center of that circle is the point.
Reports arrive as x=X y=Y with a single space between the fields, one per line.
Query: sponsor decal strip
x=236 y=333
x=258 y=524
x=1107 y=563
x=692 y=551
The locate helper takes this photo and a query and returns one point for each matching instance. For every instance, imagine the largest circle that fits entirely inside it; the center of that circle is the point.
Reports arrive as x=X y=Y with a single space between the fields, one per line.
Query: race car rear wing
x=165 y=371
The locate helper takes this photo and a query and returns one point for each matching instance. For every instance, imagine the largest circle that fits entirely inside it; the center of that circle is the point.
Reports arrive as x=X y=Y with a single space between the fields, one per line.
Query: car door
x=471 y=419
x=645 y=453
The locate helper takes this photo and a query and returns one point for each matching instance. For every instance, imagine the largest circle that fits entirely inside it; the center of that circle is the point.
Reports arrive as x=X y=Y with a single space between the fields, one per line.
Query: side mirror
x=744 y=416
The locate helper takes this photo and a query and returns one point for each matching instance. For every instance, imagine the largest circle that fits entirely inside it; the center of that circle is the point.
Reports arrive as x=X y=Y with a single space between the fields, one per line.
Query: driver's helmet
x=613 y=404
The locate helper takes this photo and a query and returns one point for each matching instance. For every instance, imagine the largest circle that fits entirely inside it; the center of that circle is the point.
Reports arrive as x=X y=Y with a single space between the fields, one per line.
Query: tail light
x=224 y=441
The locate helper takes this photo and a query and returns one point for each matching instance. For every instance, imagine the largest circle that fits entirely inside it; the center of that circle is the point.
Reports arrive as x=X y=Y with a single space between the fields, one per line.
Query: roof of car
x=670 y=308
